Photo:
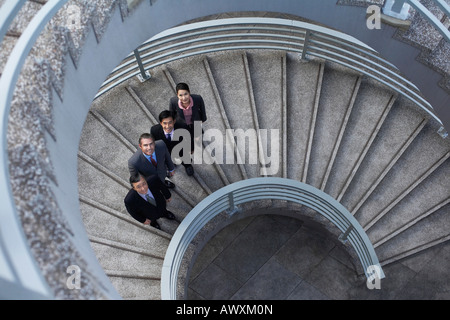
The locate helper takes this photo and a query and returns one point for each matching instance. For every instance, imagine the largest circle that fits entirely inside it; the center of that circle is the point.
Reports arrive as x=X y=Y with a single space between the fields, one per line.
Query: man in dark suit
x=164 y=131
x=152 y=158
x=146 y=201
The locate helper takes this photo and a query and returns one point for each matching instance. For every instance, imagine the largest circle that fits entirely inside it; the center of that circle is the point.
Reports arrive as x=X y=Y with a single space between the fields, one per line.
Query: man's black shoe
x=169 y=184
x=156 y=225
x=169 y=215
x=189 y=170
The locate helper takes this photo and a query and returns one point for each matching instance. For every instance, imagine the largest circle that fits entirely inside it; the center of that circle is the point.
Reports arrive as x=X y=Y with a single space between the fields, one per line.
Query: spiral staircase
x=369 y=150
x=345 y=134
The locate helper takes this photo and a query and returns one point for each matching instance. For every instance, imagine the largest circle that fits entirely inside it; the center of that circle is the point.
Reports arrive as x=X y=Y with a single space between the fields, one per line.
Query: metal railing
x=230 y=197
x=308 y=40
x=399 y=9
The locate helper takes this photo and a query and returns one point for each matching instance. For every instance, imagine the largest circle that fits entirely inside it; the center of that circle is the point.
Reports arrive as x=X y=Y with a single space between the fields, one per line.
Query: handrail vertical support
x=442 y=132
x=396 y=8
x=343 y=237
x=144 y=75
x=232 y=207
x=305 y=44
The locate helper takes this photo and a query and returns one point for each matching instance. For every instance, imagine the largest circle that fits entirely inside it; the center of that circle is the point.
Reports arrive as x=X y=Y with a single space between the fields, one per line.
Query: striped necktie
x=150 y=199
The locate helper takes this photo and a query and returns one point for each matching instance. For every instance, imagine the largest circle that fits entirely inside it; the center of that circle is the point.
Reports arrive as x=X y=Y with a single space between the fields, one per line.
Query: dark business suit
x=198 y=109
x=138 y=163
x=158 y=133
x=141 y=209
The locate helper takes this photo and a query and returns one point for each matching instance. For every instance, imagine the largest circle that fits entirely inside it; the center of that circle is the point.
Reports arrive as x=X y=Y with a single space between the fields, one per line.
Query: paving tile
x=254 y=247
x=437 y=272
x=306 y=291
x=271 y=282
x=304 y=251
x=214 y=284
x=332 y=278
x=217 y=244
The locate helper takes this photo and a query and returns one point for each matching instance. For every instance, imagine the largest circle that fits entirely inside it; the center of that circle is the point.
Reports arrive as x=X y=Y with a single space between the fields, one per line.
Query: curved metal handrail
x=307 y=39
x=431 y=18
x=7 y=13
x=400 y=9
x=226 y=200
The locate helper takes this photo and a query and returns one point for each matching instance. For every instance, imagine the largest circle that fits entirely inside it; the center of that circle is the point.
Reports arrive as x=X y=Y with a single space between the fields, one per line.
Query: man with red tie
x=152 y=158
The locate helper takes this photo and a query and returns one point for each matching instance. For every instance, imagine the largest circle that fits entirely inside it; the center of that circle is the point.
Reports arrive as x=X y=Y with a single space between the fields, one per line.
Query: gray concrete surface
x=279 y=258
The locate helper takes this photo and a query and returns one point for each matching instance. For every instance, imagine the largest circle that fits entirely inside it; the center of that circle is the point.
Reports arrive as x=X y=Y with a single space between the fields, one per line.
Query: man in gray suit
x=152 y=158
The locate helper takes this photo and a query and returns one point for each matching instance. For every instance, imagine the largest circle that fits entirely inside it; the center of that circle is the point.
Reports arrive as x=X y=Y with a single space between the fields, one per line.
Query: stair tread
x=330 y=115
x=127 y=262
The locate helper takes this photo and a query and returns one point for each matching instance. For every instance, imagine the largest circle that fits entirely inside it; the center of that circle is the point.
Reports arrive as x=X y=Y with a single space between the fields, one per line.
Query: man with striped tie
x=146 y=201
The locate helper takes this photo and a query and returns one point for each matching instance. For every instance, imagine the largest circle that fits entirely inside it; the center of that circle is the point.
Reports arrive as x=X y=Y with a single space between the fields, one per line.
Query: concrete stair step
x=110 y=151
x=304 y=84
x=136 y=288
x=123 y=263
x=336 y=95
x=371 y=106
x=418 y=162
x=120 y=110
x=267 y=75
x=128 y=260
x=380 y=236
x=427 y=233
x=417 y=204
x=395 y=134
x=229 y=71
x=96 y=185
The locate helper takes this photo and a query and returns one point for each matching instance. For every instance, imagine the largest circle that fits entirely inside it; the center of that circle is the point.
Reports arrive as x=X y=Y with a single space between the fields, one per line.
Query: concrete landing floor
x=271 y=257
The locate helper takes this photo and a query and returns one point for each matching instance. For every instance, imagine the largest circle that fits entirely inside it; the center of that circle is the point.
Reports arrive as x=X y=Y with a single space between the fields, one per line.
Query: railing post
x=232 y=207
x=396 y=8
x=343 y=237
x=144 y=75
x=305 y=44
x=442 y=132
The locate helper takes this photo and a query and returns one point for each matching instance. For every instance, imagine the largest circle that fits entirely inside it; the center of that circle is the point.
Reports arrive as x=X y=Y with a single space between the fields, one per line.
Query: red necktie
x=153 y=160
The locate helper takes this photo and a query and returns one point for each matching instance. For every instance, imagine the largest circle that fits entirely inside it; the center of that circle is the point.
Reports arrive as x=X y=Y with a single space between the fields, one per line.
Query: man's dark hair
x=166 y=114
x=146 y=136
x=135 y=178
x=182 y=86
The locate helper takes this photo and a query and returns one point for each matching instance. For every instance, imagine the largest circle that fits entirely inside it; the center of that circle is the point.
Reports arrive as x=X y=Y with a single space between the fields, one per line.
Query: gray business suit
x=139 y=163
